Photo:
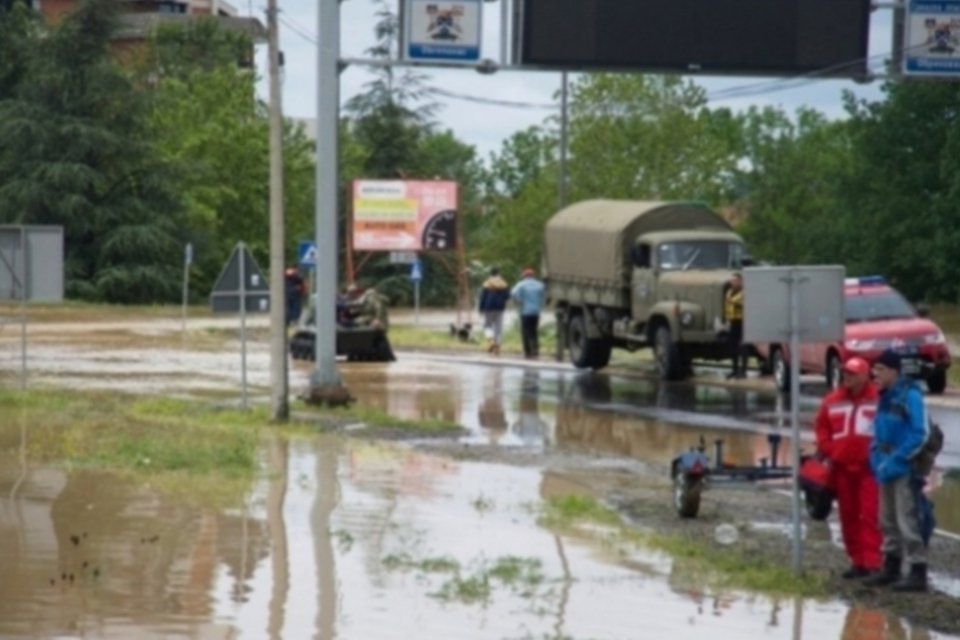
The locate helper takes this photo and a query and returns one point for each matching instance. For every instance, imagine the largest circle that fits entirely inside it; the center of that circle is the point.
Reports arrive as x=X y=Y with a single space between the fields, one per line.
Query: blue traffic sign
x=308 y=253
x=416 y=273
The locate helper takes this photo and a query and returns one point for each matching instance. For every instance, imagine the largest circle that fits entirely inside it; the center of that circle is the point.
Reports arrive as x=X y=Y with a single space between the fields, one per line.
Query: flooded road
x=349 y=539
x=357 y=540
x=639 y=419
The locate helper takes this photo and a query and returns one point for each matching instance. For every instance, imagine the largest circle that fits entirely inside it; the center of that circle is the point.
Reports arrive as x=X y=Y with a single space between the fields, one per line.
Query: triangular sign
x=226 y=296
x=229 y=280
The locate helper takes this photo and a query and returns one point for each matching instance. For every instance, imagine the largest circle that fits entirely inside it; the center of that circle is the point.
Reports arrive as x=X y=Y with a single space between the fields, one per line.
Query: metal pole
x=504 y=31
x=242 y=249
x=416 y=302
x=794 y=280
x=328 y=51
x=23 y=308
x=279 y=406
x=187 y=260
x=564 y=121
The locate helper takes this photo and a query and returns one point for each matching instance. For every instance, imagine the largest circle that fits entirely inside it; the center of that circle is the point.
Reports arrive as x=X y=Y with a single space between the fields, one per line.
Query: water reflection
x=304 y=555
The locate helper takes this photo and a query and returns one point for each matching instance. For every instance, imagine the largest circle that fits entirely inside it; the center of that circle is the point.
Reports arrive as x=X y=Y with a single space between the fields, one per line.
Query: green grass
x=740 y=566
x=175 y=445
x=373 y=417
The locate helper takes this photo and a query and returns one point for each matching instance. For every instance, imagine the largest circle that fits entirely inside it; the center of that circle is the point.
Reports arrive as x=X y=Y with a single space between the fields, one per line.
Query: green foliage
x=72 y=153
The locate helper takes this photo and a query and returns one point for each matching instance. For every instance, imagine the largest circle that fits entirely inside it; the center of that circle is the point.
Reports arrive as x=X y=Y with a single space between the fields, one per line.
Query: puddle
x=354 y=540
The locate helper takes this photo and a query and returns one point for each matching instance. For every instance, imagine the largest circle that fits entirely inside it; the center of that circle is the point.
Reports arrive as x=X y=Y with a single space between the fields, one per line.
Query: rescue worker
x=733 y=312
x=295 y=288
x=368 y=308
x=901 y=430
x=493 y=301
x=844 y=430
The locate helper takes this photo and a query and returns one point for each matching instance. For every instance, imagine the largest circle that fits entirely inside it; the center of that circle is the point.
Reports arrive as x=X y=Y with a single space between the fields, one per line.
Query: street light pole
x=325 y=381
x=279 y=396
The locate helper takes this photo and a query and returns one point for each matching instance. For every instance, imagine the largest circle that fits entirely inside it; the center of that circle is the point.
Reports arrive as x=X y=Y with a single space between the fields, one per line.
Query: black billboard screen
x=755 y=37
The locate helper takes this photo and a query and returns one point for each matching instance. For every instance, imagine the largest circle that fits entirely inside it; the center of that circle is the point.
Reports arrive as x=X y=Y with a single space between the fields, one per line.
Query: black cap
x=889 y=358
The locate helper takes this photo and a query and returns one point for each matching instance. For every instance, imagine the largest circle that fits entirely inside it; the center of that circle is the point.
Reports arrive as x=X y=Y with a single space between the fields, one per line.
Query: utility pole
x=326 y=386
x=279 y=394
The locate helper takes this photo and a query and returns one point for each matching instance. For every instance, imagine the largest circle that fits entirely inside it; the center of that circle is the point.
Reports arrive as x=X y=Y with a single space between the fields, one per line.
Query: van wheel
x=937 y=382
x=667 y=354
x=585 y=352
x=781 y=370
x=834 y=370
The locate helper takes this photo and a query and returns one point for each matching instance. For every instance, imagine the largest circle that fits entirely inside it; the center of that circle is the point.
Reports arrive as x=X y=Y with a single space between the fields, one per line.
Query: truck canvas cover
x=591 y=240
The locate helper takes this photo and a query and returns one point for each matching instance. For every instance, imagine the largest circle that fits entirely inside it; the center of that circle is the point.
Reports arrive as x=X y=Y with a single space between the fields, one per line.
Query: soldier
x=733 y=310
x=369 y=309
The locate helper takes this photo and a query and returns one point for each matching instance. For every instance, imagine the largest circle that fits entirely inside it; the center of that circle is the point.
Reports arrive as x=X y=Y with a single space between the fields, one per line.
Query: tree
x=71 y=153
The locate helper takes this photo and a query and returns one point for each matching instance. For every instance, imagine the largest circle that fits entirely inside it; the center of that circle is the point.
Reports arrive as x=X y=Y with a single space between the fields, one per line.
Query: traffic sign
x=931 y=38
x=416 y=272
x=241 y=277
x=308 y=253
x=442 y=31
x=403 y=257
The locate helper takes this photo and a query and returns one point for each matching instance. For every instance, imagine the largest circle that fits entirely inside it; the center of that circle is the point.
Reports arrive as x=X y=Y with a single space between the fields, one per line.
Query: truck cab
x=626 y=274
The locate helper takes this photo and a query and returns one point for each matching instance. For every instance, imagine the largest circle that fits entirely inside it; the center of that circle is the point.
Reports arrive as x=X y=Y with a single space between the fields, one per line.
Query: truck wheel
x=666 y=354
x=937 y=382
x=585 y=352
x=781 y=370
x=834 y=370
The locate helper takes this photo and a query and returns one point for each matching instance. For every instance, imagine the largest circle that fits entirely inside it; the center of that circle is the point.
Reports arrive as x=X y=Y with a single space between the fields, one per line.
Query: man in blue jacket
x=900 y=431
x=529 y=294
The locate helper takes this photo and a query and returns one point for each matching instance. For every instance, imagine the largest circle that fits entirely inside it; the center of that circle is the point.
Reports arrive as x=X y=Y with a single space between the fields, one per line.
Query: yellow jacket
x=733 y=305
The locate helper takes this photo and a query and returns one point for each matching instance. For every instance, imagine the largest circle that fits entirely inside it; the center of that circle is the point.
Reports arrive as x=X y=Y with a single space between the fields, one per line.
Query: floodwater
x=638 y=419
x=359 y=540
x=348 y=539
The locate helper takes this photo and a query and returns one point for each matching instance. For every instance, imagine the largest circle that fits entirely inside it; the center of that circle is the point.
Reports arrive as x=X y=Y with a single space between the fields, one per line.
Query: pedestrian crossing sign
x=308 y=253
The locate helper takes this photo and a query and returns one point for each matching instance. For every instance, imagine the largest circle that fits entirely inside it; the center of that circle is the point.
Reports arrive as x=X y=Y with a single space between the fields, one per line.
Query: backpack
x=924 y=459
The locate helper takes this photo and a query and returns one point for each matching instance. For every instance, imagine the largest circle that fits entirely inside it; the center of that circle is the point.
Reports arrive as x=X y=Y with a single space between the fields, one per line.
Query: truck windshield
x=888 y=305
x=699 y=254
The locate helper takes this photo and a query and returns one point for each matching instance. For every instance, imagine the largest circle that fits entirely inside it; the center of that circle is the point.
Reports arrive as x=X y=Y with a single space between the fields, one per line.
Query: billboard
x=932 y=38
x=404 y=215
x=442 y=31
x=735 y=37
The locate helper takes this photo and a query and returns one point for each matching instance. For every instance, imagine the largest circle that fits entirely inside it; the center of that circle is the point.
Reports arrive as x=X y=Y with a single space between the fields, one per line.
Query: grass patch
x=568 y=511
x=377 y=418
x=175 y=445
x=744 y=565
x=521 y=576
x=737 y=566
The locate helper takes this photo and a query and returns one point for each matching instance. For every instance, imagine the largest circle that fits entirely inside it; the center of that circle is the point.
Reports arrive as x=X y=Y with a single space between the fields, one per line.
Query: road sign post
x=241 y=287
x=416 y=274
x=787 y=304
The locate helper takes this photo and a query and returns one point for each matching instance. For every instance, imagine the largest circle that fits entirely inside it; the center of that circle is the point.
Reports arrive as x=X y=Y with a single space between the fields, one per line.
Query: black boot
x=888 y=575
x=916 y=580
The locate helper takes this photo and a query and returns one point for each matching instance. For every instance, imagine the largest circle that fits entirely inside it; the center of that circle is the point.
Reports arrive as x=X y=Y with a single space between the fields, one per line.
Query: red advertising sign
x=404 y=215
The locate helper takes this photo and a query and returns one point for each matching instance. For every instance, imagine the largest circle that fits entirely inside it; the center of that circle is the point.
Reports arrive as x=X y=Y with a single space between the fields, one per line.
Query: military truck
x=633 y=274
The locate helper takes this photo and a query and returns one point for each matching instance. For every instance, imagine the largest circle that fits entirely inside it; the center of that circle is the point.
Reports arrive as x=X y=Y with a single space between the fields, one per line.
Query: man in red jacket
x=844 y=428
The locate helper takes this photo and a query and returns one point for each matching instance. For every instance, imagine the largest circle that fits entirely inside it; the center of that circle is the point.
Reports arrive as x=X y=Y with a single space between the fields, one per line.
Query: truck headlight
x=686 y=318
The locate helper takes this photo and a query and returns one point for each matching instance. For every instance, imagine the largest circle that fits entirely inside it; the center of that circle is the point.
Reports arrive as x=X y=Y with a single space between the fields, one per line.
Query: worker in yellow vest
x=733 y=312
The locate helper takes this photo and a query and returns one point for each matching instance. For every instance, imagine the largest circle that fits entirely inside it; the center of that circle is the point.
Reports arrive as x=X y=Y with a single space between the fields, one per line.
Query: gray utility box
x=31 y=263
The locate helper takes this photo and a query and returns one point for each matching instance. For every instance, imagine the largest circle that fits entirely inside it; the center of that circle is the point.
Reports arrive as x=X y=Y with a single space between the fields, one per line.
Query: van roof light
x=865 y=281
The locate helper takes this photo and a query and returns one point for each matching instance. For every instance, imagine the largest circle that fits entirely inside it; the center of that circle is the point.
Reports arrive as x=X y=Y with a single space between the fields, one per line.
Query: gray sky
x=485 y=126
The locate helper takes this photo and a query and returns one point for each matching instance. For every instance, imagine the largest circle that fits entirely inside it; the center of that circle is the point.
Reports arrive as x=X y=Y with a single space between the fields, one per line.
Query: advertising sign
x=404 y=215
x=932 y=38
x=442 y=31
